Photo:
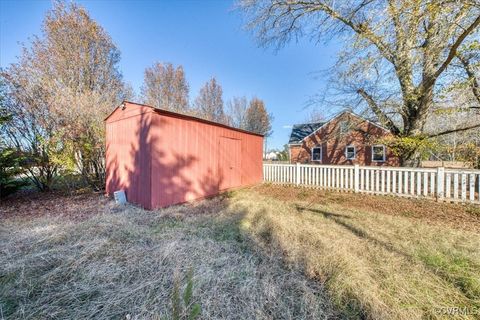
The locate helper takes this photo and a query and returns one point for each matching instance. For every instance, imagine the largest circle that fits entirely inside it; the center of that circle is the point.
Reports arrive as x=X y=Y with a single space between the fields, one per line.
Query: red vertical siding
x=192 y=159
x=127 y=154
x=164 y=158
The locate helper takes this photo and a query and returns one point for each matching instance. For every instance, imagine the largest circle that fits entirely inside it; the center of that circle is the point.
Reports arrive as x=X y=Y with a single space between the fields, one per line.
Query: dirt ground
x=75 y=206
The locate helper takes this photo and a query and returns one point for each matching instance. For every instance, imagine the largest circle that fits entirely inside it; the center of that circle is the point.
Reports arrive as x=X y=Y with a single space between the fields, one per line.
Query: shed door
x=229 y=164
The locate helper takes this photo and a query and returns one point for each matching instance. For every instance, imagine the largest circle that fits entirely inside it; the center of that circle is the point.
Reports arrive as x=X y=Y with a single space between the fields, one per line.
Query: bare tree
x=445 y=117
x=237 y=110
x=314 y=116
x=397 y=54
x=165 y=87
x=284 y=154
x=257 y=118
x=468 y=58
x=63 y=86
x=209 y=103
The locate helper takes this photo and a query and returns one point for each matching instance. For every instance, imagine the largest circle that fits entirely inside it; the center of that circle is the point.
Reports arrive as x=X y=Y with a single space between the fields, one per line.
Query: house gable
x=357 y=120
x=346 y=129
x=357 y=129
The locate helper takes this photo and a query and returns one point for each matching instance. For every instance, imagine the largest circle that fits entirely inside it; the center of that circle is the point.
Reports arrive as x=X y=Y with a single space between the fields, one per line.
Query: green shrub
x=10 y=171
x=185 y=309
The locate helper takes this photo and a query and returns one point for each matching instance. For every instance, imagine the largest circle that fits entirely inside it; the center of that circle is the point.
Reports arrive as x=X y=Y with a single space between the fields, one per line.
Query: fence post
x=440 y=183
x=356 y=176
x=297 y=174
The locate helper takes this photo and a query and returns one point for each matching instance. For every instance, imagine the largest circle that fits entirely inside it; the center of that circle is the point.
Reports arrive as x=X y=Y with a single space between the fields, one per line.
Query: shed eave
x=184 y=116
x=113 y=111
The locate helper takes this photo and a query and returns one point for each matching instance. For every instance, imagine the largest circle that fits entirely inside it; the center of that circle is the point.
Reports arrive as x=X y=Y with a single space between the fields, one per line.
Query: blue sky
x=206 y=37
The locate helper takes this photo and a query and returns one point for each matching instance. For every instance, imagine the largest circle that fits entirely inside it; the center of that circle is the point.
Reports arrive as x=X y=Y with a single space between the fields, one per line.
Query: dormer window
x=344 y=126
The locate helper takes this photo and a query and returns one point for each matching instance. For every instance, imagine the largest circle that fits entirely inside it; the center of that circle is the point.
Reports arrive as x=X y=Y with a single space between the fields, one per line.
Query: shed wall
x=192 y=159
x=160 y=158
x=128 y=154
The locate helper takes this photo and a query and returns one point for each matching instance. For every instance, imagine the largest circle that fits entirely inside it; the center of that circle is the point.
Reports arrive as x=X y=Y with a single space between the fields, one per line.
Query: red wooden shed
x=161 y=158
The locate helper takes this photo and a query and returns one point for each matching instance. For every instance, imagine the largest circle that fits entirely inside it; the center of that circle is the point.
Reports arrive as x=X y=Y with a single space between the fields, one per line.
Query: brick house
x=345 y=139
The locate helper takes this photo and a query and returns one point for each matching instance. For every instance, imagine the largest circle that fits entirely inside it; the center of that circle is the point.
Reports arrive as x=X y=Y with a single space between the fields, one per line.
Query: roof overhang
x=180 y=115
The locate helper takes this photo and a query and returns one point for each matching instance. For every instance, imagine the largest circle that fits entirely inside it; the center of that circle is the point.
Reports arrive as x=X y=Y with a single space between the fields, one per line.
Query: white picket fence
x=439 y=183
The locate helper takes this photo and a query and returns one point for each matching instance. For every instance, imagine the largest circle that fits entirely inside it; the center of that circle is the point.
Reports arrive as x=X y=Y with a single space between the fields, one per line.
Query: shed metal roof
x=182 y=115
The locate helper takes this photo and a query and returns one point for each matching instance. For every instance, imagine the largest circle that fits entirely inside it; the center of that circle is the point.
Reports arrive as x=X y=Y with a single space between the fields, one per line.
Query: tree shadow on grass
x=425 y=259
x=338 y=219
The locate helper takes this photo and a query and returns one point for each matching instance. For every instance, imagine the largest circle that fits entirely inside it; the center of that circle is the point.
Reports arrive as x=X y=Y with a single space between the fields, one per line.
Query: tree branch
x=382 y=117
x=453 y=50
x=454 y=130
x=471 y=76
x=360 y=29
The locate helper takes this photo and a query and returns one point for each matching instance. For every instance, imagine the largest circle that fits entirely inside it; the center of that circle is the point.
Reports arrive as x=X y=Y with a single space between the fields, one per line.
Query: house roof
x=300 y=131
x=181 y=115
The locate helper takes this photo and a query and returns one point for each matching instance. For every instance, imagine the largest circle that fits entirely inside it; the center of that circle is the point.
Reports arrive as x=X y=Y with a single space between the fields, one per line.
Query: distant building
x=272 y=156
x=345 y=139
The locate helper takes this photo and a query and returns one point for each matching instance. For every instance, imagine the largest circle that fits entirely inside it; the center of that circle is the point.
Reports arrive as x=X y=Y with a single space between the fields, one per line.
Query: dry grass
x=455 y=216
x=374 y=263
x=265 y=252
x=119 y=263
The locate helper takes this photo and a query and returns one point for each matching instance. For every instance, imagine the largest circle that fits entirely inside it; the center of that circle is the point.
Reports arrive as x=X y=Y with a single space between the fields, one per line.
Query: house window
x=344 y=127
x=317 y=154
x=378 y=153
x=350 y=152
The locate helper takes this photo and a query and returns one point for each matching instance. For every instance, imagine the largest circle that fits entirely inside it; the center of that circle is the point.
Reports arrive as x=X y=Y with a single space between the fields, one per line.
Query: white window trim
x=321 y=153
x=384 y=153
x=354 y=152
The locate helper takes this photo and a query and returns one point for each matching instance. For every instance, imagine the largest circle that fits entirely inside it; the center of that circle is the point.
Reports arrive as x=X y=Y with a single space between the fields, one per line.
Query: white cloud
x=287 y=126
